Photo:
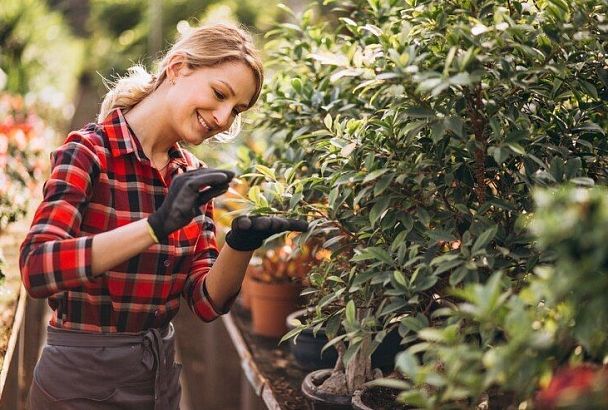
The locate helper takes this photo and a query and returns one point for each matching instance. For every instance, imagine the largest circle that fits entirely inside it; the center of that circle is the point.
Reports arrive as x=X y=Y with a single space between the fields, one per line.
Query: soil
x=334 y=384
x=382 y=398
x=275 y=362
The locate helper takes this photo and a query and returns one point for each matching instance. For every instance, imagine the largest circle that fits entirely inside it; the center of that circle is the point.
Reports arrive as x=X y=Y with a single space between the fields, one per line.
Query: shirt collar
x=122 y=141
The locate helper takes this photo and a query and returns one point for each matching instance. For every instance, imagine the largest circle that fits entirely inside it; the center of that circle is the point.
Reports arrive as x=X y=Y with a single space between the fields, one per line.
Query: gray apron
x=79 y=370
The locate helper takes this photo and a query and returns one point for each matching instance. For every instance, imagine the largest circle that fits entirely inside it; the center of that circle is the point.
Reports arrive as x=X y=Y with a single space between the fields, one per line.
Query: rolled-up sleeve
x=195 y=291
x=54 y=256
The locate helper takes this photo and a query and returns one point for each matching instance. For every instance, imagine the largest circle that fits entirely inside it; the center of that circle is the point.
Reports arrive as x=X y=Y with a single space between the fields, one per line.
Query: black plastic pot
x=320 y=400
x=307 y=348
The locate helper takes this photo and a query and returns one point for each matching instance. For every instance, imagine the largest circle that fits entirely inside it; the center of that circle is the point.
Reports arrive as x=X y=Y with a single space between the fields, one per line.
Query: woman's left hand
x=249 y=232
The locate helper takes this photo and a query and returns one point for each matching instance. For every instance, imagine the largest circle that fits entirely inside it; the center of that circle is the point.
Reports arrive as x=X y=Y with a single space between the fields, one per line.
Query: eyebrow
x=232 y=92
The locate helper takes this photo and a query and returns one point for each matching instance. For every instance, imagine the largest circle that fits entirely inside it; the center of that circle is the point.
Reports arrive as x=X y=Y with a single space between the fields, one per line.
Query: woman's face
x=205 y=101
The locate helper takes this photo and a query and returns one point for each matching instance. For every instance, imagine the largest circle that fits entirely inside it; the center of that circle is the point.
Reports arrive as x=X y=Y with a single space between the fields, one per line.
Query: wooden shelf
x=270 y=368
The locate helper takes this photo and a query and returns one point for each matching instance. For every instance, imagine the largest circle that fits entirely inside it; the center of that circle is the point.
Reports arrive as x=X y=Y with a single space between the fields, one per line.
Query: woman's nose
x=221 y=117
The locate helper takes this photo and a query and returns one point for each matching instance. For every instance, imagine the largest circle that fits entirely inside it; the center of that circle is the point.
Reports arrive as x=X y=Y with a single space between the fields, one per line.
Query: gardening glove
x=249 y=232
x=188 y=191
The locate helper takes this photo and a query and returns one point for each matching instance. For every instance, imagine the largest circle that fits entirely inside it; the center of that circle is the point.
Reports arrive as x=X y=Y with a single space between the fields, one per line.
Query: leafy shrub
x=496 y=339
x=413 y=133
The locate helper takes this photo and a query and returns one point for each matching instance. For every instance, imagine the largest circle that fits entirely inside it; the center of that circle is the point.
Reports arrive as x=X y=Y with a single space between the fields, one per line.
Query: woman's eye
x=219 y=95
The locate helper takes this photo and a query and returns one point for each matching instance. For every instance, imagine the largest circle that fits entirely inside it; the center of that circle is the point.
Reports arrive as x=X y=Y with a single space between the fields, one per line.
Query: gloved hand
x=249 y=232
x=186 y=194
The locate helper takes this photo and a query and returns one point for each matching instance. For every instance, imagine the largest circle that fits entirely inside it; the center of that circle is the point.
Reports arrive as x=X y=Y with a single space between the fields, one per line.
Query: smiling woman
x=126 y=228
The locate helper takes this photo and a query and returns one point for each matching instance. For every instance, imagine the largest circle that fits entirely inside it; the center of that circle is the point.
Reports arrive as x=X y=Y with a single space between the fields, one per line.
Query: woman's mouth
x=202 y=122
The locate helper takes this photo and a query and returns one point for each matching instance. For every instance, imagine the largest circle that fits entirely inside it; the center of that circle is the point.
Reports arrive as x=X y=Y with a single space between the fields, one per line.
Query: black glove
x=249 y=232
x=186 y=194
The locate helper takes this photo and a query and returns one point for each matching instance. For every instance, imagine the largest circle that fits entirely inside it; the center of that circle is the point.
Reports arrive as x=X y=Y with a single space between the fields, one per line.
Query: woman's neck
x=148 y=122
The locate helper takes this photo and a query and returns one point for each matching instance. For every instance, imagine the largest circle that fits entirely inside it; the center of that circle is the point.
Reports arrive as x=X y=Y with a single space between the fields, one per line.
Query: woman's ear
x=177 y=66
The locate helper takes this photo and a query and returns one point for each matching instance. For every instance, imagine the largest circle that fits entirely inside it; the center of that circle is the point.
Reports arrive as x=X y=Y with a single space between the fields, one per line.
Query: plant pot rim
x=312 y=391
x=357 y=401
x=291 y=281
x=298 y=313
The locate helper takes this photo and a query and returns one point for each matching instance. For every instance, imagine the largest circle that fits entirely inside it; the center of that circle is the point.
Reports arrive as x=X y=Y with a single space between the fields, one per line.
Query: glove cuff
x=242 y=244
x=155 y=223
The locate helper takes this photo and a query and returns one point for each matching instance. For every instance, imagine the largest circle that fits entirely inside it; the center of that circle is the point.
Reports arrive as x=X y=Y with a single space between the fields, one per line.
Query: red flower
x=571 y=384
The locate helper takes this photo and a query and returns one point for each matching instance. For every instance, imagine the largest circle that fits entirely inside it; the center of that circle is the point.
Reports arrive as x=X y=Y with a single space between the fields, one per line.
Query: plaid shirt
x=100 y=180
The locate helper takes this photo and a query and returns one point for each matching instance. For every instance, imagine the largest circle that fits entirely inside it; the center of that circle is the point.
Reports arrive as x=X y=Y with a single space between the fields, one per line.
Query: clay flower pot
x=271 y=303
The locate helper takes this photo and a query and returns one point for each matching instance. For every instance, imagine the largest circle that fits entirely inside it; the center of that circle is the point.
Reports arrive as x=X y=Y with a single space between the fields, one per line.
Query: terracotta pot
x=271 y=303
x=253 y=270
x=320 y=400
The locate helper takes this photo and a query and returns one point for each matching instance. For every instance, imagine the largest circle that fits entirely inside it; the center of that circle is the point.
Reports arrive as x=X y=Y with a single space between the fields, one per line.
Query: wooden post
x=9 y=374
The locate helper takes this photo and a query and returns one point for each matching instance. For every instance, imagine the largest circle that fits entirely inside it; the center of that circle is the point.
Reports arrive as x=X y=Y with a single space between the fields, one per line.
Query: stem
x=475 y=108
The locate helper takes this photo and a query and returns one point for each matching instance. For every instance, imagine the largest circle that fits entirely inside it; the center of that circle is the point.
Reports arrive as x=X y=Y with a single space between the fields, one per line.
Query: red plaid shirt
x=100 y=180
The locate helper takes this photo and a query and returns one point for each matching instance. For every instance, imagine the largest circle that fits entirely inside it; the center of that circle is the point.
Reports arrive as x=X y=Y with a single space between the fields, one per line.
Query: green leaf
x=589 y=88
x=267 y=172
x=437 y=131
x=374 y=174
x=378 y=209
x=484 y=239
x=456 y=125
x=382 y=184
x=414 y=324
x=420 y=112
x=296 y=83
x=407 y=363
x=332 y=342
x=351 y=351
x=446 y=266
x=458 y=275
x=351 y=312
x=373 y=253
x=400 y=278
x=327 y=121
x=574 y=167
x=517 y=148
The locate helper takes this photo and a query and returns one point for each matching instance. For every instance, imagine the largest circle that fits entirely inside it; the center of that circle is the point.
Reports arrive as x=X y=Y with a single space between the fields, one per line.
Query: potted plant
x=307 y=344
x=274 y=278
x=275 y=288
x=412 y=135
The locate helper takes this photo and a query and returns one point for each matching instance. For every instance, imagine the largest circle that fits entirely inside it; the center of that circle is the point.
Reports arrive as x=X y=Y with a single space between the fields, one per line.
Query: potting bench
x=270 y=368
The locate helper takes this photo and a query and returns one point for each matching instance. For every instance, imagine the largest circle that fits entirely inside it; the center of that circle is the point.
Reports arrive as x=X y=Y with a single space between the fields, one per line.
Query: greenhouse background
x=450 y=158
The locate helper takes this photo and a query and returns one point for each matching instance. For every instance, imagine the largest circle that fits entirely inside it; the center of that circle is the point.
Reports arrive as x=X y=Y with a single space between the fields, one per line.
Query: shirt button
x=166 y=263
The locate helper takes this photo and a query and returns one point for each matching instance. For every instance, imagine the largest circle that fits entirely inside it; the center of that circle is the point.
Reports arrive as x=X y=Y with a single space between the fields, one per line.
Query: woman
x=125 y=228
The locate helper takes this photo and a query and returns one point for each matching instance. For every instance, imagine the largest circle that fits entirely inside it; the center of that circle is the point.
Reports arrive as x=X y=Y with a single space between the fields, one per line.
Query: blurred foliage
x=412 y=134
x=25 y=140
x=122 y=33
x=551 y=334
x=39 y=57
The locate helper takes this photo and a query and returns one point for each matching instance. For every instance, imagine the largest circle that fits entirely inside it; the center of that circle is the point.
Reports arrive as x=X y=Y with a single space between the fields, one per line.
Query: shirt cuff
x=218 y=310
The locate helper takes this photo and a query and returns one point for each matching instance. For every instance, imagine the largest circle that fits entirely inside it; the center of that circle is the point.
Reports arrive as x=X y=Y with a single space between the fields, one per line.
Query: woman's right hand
x=187 y=193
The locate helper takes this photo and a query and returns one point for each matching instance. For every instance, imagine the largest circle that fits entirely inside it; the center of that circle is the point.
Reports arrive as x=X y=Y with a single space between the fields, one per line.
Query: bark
x=475 y=108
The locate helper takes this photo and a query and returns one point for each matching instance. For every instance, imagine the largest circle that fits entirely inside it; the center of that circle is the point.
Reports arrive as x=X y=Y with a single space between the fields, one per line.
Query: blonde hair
x=205 y=46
